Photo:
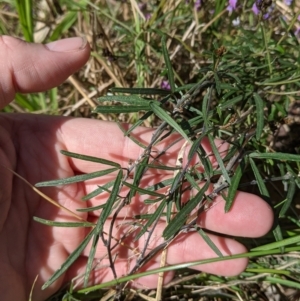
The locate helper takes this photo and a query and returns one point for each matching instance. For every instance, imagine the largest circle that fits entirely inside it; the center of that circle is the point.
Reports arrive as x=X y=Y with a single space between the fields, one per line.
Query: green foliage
x=194 y=73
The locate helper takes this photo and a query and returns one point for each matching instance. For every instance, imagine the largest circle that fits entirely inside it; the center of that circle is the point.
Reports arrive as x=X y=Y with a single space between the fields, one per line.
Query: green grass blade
x=24 y=8
x=168 y=64
x=289 y=198
x=278 y=244
x=90 y=158
x=283 y=282
x=259 y=115
x=163 y=115
x=76 y=179
x=68 y=21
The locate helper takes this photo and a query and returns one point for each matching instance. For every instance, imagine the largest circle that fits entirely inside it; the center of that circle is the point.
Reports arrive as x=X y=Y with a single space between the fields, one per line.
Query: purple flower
x=263 y=6
x=255 y=9
x=197 y=4
x=165 y=85
x=288 y=2
x=231 y=5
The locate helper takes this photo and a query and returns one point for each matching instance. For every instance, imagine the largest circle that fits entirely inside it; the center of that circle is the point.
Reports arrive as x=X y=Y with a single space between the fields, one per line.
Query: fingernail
x=66 y=45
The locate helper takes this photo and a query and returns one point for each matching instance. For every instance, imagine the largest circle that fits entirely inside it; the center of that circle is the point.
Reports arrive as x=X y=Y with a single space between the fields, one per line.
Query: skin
x=30 y=145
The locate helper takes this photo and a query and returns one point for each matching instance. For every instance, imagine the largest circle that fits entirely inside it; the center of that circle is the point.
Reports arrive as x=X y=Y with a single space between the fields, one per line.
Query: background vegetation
x=227 y=69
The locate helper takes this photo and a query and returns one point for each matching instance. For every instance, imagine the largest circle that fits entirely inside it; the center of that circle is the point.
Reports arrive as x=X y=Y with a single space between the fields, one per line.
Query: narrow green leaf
x=235 y=181
x=111 y=200
x=69 y=261
x=289 y=198
x=278 y=244
x=192 y=181
x=260 y=182
x=179 y=220
x=218 y=83
x=76 y=179
x=152 y=201
x=161 y=184
x=205 y=109
x=195 y=146
x=178 y=178
x=62 y=224
x=90 y=158
x=259 y=103
x=67 y=22
x=219 y=159
x=138 y=174
x=209 y=242
x=138 y=123
x=233 y=76
x=129 y=99
x=25 y=11
x=131 y=137
x=100 y=223
x=163 y=115
x=283 y=282
x=98 y=191
x=117 y=109
x=91 y=209
x=275 y=156
x=143 y=191
x=141 y=91
x=168 y=63
x=156 y=215
x=162 y=167
x=230 y=103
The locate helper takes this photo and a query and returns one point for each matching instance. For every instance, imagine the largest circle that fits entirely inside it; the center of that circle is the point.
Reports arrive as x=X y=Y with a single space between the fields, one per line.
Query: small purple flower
x=264 y=6
x=231 y=5
x=197 y=4
x=165 y=85
x=288 y=2
x=255 y=9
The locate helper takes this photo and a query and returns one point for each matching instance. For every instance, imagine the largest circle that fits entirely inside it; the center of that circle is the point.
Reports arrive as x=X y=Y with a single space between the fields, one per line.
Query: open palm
x=30 y=145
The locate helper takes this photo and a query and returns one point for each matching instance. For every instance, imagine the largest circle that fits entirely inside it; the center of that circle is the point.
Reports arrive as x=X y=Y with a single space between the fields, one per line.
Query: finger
x=28 y=67
x=249 y=216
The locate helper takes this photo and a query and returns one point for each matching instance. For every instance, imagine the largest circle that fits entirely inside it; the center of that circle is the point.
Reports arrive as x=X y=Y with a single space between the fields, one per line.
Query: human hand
x=30 y=145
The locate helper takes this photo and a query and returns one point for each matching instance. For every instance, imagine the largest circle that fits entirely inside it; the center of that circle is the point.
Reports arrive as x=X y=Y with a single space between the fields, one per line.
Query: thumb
x=28 y=67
